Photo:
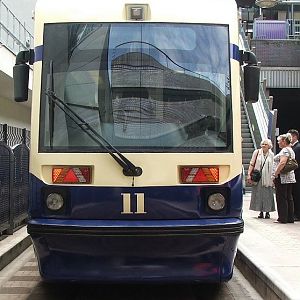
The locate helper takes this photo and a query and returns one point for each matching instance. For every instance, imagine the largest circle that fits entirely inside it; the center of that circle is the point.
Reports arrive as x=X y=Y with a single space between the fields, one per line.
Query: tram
x=136 y=159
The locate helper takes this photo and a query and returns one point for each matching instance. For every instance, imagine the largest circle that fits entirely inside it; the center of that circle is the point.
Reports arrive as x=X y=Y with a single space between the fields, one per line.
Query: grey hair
x=267 y=141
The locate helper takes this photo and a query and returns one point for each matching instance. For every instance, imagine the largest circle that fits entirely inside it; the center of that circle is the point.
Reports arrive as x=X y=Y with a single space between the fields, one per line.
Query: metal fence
x=14 y=178
x=13 y=34
x=270 y=29
x=274 y=29
x=294 y=28
x=13 y=135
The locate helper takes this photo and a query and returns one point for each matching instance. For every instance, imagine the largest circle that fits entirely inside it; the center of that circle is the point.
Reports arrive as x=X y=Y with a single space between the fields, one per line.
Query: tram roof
x=168 y=11
x=185 y=11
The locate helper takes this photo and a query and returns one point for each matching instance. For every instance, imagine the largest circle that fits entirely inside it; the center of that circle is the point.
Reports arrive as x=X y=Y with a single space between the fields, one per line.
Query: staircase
x=247 y=143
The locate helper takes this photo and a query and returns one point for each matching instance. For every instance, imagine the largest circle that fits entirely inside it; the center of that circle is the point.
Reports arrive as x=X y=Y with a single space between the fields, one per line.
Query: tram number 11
x=140 y=203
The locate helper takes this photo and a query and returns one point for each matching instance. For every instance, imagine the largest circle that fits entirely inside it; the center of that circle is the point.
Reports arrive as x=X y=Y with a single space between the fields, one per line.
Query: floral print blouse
x=287 y=177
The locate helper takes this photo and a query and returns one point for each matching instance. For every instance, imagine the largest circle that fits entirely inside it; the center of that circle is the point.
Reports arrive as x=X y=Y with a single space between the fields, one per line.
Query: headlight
x=54 y=201
x=216 y=201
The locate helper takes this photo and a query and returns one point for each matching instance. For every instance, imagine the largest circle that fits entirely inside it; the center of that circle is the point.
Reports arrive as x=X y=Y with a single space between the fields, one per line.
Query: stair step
x=247 y=150
x=246 y=159
x=246 y=135
x=245 y=130
x=247 y=140
x=248 y=145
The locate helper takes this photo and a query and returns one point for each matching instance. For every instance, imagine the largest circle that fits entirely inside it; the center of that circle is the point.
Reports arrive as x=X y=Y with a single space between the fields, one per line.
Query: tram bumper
x=111 y=251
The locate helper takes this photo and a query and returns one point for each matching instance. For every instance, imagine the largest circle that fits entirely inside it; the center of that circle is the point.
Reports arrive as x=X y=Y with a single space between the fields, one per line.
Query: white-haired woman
x=262 y=196
x=284 y=182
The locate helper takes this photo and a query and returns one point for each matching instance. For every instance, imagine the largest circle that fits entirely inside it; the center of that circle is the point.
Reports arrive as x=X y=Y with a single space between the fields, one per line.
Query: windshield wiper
x=51 y=107
x=129 y=169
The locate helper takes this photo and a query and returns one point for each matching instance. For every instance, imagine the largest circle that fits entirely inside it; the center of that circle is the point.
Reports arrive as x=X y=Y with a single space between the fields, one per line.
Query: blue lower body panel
x=201 y=250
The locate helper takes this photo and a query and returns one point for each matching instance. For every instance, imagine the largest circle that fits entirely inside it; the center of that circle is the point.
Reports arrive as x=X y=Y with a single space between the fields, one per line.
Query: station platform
x=268 y=254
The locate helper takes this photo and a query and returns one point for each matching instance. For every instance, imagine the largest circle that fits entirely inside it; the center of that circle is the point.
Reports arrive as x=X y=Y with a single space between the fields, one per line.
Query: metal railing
x=262 y=111
x=12 y=136
x=13 y=34
x=257 y=113
x=294 y=28
x=291 y=31
x=14 y=178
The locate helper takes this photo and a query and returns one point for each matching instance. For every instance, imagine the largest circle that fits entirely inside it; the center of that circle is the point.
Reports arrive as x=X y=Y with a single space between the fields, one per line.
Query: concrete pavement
x=13 y=245
x=269 y=255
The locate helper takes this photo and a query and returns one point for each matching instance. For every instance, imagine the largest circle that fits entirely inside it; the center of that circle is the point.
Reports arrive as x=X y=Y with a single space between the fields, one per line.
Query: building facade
x=274 y=36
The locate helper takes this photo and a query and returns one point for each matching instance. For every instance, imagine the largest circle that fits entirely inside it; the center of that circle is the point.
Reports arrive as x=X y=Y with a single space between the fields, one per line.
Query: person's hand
x=249 y=180
x=273 y=183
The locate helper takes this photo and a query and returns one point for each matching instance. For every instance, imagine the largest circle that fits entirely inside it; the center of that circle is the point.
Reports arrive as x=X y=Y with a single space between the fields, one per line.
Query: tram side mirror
x=251 y=83
x=251 y=75
x=21 y=80
x=21 y=74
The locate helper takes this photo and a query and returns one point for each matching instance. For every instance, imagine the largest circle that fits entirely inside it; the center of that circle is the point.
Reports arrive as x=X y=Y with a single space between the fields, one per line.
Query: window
x=147 y=87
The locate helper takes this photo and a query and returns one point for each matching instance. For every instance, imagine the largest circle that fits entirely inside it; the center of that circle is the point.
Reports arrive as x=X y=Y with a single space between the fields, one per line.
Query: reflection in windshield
x=143 y=87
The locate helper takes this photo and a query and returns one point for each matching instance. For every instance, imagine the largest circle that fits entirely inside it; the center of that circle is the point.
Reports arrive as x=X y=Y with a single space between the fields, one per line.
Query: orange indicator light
x=72 y=174
x=199 y=174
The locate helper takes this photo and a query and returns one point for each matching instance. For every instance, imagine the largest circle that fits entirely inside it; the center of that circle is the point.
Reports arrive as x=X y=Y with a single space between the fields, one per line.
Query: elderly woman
x=284 y=182
x=262 y=196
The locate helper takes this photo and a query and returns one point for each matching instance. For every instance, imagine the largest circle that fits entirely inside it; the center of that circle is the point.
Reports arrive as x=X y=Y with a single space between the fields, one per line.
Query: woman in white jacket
x=262 y=197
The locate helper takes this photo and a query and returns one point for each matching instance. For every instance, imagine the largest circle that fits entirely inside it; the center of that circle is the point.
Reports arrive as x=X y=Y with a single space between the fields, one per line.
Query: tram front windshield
x=144 y=87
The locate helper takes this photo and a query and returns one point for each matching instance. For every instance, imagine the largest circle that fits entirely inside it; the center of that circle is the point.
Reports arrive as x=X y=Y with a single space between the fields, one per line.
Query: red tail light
x=72 y=174
x=199 y=174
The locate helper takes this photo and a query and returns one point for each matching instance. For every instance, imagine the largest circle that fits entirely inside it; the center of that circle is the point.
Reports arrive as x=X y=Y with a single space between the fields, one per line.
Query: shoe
x=296 y=219
x=261 y=215
x=267 y=216
x=279 y=221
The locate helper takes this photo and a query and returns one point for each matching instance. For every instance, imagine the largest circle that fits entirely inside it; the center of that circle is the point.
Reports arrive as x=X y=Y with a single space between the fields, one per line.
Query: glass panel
x=142 y=87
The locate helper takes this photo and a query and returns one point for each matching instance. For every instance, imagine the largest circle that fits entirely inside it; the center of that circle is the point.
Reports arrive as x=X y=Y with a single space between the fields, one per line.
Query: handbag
x=290 y=165
x=256 y=174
